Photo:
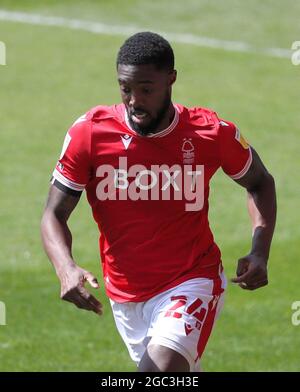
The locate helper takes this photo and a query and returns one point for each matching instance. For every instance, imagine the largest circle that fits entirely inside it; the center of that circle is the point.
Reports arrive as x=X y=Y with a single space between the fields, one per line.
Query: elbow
x=265 y=181
x=270 y=181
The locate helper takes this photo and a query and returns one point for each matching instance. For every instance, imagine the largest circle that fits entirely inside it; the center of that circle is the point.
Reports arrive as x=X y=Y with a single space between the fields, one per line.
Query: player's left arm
x=259 y=183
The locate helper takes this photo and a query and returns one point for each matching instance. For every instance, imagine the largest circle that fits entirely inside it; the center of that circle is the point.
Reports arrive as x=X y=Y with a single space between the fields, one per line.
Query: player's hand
x=251 y=272
x=72 y=289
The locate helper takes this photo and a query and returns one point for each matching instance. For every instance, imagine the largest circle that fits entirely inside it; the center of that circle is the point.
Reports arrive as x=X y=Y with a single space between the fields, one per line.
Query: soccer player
x=145 y=165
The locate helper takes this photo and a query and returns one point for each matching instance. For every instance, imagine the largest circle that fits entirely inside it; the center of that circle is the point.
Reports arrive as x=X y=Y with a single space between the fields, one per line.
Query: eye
x=125 y=90
x=147 y=90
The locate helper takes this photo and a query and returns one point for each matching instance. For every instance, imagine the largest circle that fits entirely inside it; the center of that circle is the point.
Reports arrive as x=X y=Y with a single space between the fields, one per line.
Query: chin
x=141 y=129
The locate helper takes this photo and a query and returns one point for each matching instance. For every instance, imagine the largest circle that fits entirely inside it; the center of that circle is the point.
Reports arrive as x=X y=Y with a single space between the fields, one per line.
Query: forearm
x=262 y=211
x=57 y=241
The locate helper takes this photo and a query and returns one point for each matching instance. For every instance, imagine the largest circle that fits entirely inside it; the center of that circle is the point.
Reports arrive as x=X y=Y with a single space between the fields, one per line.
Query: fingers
x=83 y=300
x=92 y=302
x=242 y=278
x=242 y=271
x=250 y=275
x=92 y=280
x=242 y=267
x=253 y=286
x=95 y=305
x=251 y=281
x=74 y=297
x=73 y=290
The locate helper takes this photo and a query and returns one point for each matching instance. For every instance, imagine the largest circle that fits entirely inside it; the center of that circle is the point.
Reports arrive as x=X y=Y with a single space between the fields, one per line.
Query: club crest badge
x=188 y=151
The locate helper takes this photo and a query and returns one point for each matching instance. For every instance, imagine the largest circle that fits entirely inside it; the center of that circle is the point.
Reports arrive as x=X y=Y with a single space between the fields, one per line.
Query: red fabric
x=210 y=318
x=149 y=246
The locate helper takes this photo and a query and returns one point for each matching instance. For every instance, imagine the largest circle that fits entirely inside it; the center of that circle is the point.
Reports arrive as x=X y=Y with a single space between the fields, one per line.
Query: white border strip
x=66 y=182
x=102 y=28
x=245 y=168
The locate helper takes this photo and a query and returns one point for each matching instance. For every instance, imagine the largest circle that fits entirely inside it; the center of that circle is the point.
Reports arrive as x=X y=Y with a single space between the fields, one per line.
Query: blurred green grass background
x=52 y=76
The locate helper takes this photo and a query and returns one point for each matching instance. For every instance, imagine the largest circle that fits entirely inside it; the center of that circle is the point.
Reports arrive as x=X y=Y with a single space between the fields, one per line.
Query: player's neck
x=167 y=120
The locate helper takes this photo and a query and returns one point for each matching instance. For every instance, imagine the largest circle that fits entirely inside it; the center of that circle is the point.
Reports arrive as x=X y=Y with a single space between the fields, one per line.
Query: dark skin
x=261 y=199
x=145 y=92
x=57 y=240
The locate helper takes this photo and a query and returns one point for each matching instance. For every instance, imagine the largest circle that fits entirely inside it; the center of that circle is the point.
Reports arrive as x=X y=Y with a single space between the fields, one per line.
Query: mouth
x=139 y=116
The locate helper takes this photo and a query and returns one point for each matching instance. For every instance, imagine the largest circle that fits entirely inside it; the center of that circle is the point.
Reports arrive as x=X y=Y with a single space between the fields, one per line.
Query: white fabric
x=152 y=322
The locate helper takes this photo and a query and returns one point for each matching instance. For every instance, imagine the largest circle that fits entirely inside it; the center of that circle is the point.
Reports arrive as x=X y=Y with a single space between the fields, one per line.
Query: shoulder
x=205 y=121
x=203 y=114
x=83 y=124
x=98 y=113
x=208 y=124
x=202 y=117
x=230 y=133
x=104 y=112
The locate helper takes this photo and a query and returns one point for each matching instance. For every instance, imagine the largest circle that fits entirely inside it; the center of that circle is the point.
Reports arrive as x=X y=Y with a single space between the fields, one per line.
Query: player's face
x=146 y=94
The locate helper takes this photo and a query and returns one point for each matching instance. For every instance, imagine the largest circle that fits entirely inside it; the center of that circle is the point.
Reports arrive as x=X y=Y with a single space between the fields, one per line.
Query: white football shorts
x=180 y=318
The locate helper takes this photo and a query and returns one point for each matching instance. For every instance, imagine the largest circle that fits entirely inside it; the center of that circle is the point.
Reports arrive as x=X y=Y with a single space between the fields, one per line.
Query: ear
x=172 y=77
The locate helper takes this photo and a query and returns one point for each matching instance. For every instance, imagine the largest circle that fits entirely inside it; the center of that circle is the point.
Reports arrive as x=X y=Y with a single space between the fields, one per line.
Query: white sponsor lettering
x=170 y=180
x=2 y=53
x=296 y=315
x=296 y=55
x=106 y=188
x=160 y=182
x=2 y=313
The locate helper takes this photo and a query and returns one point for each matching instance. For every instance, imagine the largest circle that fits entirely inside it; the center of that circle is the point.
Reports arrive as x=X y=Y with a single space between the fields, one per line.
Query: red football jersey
x=149 y=195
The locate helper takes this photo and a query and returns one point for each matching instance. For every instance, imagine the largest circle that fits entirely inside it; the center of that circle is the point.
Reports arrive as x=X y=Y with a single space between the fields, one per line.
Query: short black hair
x=147 y=48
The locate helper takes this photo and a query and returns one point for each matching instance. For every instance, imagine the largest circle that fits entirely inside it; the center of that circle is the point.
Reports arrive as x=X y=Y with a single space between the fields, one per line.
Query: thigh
x=183 y=317
x=132 y=327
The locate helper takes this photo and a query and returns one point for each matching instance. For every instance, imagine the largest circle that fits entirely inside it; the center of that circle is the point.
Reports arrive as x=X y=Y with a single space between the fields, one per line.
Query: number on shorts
x=193 y=309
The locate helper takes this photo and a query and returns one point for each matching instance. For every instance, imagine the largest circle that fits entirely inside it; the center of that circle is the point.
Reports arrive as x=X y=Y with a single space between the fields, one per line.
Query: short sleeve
x=236 y=156
x=72 y=170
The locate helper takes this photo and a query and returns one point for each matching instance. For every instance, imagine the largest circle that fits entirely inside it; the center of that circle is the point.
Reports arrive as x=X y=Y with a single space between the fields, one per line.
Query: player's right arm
x=69 y=180
x=57 y=241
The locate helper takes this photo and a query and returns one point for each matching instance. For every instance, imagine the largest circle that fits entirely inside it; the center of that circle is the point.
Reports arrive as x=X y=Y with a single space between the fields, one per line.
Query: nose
x=135 y=100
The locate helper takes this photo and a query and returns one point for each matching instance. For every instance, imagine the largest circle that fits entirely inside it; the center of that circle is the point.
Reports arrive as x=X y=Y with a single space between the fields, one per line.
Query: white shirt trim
x=245 y=168
x=68 y=183
x=162 y=133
